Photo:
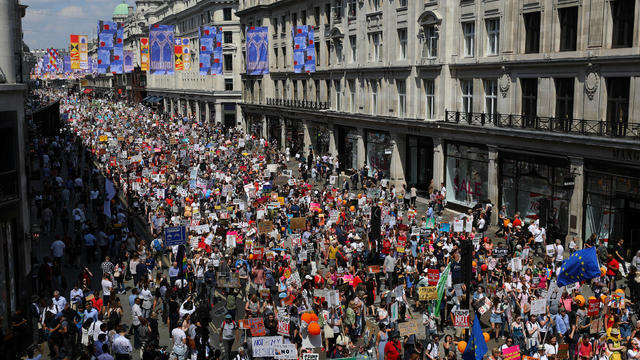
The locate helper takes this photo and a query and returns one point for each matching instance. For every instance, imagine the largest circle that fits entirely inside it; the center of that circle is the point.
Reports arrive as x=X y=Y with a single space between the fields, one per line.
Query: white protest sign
x=264 y=346
x=285 y=351
x=538 y=307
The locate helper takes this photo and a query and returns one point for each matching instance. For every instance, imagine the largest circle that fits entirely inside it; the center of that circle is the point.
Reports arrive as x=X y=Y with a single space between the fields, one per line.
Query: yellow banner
x=144 y=54
x=83 y=51
x=74 y=52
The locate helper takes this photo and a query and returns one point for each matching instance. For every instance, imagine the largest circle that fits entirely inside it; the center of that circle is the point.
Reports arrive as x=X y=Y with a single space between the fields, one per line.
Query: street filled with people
x=165 y=237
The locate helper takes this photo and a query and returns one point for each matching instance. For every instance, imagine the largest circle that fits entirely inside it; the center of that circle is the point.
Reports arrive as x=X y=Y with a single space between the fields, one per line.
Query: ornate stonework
x=591 y=80
x=504 y=82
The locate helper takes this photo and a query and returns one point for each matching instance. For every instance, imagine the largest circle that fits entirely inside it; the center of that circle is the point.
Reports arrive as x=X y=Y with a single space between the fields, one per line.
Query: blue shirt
x=562 y=323
x=93 y=314
x=132 y=299
x=173 y=272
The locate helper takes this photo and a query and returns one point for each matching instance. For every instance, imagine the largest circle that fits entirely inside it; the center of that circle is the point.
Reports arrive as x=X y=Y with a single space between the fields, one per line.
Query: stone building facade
x=534 y=105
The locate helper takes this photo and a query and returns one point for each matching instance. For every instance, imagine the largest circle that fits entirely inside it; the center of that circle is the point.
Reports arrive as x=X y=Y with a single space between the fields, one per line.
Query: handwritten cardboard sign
x=460 y=318
x=411 y=327
x=298 y=223
x=256 y=325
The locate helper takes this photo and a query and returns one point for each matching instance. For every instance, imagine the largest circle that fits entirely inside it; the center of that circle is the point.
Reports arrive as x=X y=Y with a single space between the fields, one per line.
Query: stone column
x=179 y=104
x=283 y=135
x=306 y=138
x=362 y=151
x=198 y=110
x=264 y=134
x=398 y=155
x=172 y=107
x=576 y=206
x=493 y=183
x=240 y=121
x=438 y=162
x=218 y=107
x=165 y=105
x=207 y=115
x=333 y=148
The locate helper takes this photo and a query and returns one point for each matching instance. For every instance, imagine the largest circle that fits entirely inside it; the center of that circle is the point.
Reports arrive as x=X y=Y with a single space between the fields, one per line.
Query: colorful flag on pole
x=477 y=347
x=582 y=265
x=110 y=47
x=299 y=47
x=310 y=60
x=83 y=51
x=178 y=54
x=144 y=54
x=161 y=49
x=128 y=61
x=441 y=287
x=74 y=51
x=186 y=53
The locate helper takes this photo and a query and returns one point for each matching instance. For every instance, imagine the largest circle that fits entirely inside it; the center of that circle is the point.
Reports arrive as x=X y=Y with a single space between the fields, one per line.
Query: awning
x=147 y=98
x=87 y=91
x=155 y=99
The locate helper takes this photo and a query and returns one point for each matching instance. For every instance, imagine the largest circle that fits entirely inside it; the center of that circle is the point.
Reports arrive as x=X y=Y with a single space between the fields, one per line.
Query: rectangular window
x=402 y=41
x=617 y=105
x=337 y=9
x=275 y=56
x=316 y=16
x=374 y=96
x=228 y=84
x=228 y=62
x=352 y=8
x=226 y=14
x=338 y=89
x=338 y=47
x=327 y=13
x=532 y=30
x=294 y=19
x=228 y=37
x=317 y=55
x=622 y=13
x=352 y=95
x=375 y=4
x=284 y=57
x=317 y=86
x=354 y=49
x=376 y=46
x=275 y=26
x=430 y=50
x=402 y=3
x=493 y=36
x=401 y=87
x=328 y=43
x=568 y=28
x=491 y=97
x=283 y=21
x=564 y=98
x=295 y=89
x=466 y=86
x=430 y=101
x=304 y=17
x=469 y=32
x=529 y=98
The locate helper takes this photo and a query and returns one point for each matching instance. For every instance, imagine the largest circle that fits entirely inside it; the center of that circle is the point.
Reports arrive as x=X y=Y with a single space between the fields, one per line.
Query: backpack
x=157 y=245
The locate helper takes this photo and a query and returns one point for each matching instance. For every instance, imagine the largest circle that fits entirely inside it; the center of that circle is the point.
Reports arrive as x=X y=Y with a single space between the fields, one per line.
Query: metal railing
x=299 y=104
x=548 y=124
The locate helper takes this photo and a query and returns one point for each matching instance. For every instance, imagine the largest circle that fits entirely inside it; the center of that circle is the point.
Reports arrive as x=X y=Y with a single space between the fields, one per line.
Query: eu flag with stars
x=581 y=265
x=477 y=347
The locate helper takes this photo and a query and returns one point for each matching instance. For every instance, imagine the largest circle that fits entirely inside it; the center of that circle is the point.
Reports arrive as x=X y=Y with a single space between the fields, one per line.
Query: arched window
x=429 y=33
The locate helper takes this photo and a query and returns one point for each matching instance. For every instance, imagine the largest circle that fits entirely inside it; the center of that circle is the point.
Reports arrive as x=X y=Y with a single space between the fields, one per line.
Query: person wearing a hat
x=541 y=354
x=614 y=344
x=242 y=354
x=393 y=348
x=228 y=334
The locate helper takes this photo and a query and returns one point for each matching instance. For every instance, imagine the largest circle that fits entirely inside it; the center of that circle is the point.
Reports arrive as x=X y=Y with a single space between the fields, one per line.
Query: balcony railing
x=548 y=124
x=299 y=104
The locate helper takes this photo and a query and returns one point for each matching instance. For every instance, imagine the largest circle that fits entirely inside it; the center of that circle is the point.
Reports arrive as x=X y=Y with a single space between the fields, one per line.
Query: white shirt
x=57 y=248
x=60 y=302
x=178 y=336
x=76 y=295
x=136 y=311
x=106 y=287
x=559 y=253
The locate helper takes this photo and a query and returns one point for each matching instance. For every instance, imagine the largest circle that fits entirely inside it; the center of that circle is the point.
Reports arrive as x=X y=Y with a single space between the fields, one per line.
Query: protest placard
x=460 y=318
x=283 y=326
x=511 y=353
x=263 y=346
x=563 y=351
x=594 y=307
x=428 y=293
x=433 y=275
x=265 y=227
x=457 y=225
x=298 y=223
x=228 y=280
x=310 y=356
x=285 y=351
x=374 y=269
x=410 y=327
x=538 y=307
x=256 y=325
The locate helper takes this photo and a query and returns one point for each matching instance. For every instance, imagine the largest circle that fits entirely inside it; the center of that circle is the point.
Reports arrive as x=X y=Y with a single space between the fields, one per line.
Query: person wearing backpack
x=228 y=330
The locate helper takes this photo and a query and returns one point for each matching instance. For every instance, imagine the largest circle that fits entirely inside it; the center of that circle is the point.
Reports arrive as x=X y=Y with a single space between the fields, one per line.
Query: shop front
x=534 y=186
x=294 y=135
x=612 y=204
x=319 y=134
x=273 y=129
x=379 y=151
x=255 y=125
x=419 y=169
x=466 y=174
x=347 y=142
x=229 y=115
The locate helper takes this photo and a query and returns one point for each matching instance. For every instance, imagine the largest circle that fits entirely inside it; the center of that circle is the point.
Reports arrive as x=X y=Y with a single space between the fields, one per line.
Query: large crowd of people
x=220 y=242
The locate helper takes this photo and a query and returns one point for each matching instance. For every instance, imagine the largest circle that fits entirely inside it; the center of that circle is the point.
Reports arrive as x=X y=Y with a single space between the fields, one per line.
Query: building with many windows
x=530 y=104
x=207 y=97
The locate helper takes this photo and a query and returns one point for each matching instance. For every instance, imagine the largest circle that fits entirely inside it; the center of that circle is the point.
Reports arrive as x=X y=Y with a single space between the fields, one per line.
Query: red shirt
x=392 y=350
x=612 y=267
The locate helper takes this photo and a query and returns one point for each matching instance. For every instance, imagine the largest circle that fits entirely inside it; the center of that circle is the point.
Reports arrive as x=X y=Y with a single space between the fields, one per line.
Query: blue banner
x=257 y=50
x=310 y=61
x=161 y=49
x=299 y=48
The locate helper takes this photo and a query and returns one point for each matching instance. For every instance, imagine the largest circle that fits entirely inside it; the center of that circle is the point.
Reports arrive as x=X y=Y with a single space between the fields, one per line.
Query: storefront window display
x=347 y=148
x=419 y=162
x=319 y=135
x=379 y=152
x=612 y=207
x=467 y=174
x=535 y=188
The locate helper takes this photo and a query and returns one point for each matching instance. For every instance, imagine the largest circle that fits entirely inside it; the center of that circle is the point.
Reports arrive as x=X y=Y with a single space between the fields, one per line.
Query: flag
x=477 y=347
x=161 y=49
x=310 y=61
x=186 y=54
x=580 y=266
x=144 y=54
x=178 y=54
x=74 y=51
x=440 y=288
x=300 y=41
x=83 y=51
x=210 y=53
x=257 y=50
